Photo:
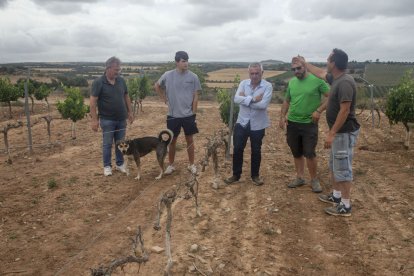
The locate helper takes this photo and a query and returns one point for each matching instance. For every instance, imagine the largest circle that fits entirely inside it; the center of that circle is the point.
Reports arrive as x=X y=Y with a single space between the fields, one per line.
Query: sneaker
x=192 y=168
x=121 y=168
x=231 y=179
x=316 y=186
x=329 y=198
x=107 y=171
x=170 y=169
x=257 y=181
x=339 y=210
x=296 y=183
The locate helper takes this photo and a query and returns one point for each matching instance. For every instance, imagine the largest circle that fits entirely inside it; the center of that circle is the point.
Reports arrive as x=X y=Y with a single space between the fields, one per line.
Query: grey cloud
x=3 y=3
x=92 y=36
x=349 y=10
x=21 y=45
x=63 y=6
x=213 y=13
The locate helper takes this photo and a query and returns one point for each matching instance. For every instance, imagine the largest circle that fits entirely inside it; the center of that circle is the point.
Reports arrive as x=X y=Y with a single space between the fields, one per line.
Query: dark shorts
x=302 y=139
x=187 y=123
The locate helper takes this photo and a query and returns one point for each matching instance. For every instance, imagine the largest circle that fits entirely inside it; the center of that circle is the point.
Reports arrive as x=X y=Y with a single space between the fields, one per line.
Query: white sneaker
x=192 y=168
x=169 y=169
x=107 y=171
x=121 y=168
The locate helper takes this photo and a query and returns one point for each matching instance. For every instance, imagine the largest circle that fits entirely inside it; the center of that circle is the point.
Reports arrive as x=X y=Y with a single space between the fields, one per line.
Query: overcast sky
x=223 y=30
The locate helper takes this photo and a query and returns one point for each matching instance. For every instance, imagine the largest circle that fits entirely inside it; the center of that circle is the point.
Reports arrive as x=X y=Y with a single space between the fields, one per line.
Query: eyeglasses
x=296 y=68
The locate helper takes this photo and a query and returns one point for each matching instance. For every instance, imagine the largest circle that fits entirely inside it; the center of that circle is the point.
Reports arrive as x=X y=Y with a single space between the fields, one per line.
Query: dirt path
x=88 y=220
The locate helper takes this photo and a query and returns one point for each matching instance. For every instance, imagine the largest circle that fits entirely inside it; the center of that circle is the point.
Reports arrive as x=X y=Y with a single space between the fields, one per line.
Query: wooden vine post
x=6 y=141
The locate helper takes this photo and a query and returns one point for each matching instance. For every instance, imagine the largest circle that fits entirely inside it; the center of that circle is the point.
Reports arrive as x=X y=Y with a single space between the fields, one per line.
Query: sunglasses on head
x=296 y=68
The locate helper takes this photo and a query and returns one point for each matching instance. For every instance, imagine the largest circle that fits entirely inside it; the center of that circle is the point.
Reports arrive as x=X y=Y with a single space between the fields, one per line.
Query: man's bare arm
x=94 y=116
x=160 y=92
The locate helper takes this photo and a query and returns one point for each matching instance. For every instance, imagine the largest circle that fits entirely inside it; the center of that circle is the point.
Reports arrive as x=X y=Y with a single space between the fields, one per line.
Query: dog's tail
x=170 y=136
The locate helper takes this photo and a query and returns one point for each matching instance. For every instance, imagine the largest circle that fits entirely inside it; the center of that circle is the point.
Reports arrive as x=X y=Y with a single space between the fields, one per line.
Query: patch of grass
x=35 y=182
x=52 y=184
x=13 y=236
x=372 y=183
x=72 y=180
x=408 y=240
x=371 y=237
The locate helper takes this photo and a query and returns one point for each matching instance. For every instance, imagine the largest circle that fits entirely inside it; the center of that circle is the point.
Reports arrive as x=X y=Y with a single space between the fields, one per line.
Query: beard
x=300 y=76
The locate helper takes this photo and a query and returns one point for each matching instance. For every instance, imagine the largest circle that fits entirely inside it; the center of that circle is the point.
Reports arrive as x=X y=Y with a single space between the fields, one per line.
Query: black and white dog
x=142 y=146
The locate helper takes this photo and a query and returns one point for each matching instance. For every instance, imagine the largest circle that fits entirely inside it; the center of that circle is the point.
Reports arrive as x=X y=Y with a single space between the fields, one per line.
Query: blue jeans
x=342 y=153
x=112 y=131
x=240 y=136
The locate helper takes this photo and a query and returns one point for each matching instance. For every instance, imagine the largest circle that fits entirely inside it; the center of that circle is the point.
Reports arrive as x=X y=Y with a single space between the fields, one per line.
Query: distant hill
x=385 y=74
x=271 y=62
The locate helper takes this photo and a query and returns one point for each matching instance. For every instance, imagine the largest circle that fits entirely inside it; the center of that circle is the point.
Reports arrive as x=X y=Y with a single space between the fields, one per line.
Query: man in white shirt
x=253 y=96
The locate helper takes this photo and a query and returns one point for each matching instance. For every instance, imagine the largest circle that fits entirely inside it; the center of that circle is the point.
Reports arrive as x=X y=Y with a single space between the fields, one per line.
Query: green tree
x=400 y=102
x=42 y=93
x=144 y=89
x=133 y=91
x=201 y=76
x=8 y=93
x=224 y=97
x=32 y=85
x=138 y=90
x=73 y=107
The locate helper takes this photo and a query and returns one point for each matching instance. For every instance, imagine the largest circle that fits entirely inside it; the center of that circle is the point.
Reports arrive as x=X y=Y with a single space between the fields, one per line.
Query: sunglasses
x=296 y=68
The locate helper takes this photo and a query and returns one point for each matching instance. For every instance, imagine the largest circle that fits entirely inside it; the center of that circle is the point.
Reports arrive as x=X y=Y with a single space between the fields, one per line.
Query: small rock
x=279 y=231
x=318 y=248
x=157 y=249
x=194 y=248
x=221 y=266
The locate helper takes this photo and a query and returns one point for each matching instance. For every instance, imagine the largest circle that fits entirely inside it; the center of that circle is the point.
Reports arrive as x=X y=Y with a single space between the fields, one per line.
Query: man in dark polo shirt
x=109 y=93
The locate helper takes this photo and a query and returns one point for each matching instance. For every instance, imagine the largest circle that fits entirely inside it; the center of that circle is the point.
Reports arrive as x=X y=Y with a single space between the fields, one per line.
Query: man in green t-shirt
x=302 y=101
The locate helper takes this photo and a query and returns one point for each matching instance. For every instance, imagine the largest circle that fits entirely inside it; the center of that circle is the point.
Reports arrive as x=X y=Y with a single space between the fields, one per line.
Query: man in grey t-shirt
x=343 y=129
x=178 y=88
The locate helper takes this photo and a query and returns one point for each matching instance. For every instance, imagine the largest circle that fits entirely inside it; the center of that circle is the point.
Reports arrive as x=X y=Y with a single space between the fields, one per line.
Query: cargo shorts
x=342 y=153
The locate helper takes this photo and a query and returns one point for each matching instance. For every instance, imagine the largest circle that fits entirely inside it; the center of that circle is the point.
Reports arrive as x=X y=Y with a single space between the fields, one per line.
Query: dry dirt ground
x=88 y=220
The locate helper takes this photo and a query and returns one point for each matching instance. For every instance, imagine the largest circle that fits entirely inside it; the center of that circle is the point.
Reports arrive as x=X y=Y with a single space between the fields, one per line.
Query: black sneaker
x=329 y=198
x=339 y=210
x=257 y=181
x=231 y=179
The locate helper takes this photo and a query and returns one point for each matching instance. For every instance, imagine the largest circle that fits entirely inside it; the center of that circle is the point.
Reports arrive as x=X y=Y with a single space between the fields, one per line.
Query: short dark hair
x=181 y=55
x=340 y=58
